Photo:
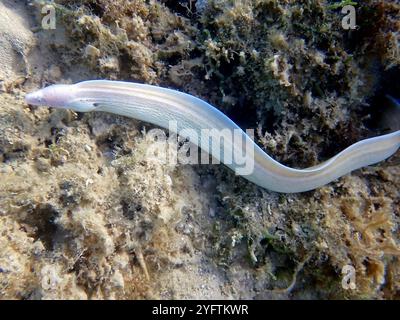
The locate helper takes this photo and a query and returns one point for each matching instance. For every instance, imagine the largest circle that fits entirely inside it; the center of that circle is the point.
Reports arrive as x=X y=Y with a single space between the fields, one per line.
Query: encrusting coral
x=84 y=213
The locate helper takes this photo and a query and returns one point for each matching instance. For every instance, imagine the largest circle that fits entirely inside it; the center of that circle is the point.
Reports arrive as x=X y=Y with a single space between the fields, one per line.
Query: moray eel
x=159 y=106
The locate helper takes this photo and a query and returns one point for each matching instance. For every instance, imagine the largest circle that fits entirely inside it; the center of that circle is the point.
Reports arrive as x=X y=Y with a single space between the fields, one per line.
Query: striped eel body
x=159 y=106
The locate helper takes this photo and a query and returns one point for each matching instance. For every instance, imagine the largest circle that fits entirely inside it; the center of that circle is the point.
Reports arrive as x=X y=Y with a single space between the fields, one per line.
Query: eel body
x=192 y=115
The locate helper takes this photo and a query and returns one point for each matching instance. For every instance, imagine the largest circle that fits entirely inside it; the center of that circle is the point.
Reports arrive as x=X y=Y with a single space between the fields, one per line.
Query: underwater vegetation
x=83 y=214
